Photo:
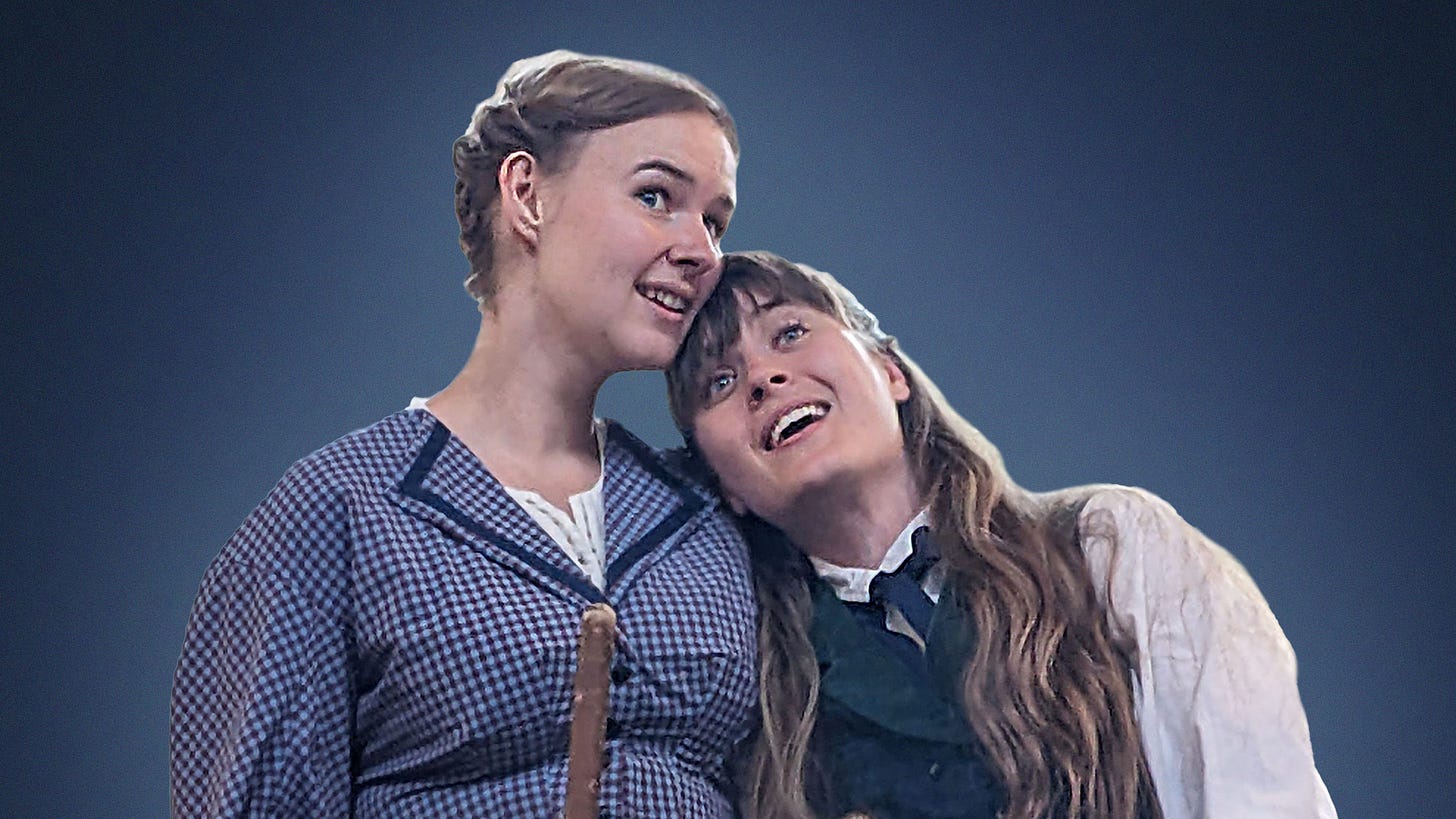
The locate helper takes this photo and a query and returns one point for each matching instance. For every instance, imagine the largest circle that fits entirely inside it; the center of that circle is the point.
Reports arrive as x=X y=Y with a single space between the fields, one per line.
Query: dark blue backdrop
x=1209 y=252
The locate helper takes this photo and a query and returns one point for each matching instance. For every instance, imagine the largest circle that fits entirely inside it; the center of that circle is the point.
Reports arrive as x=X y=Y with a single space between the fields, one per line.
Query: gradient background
x=1209 y=252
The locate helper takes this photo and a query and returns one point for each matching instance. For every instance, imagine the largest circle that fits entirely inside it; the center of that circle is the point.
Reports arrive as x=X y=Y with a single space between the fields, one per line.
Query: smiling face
x=798 y=404
x=626 y=245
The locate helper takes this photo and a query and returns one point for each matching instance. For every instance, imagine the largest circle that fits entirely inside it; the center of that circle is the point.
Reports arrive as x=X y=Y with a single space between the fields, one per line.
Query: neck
x=853 y=523
x=523 y=406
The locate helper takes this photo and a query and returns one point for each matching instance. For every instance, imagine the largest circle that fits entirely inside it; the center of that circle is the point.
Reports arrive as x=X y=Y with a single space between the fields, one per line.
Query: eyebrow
x=769 y=306
x=663 y=166
x=666 y=167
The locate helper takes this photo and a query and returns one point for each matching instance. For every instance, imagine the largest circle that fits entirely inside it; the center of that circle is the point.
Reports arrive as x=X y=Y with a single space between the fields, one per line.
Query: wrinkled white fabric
x=1217 y=701
x=579 y=532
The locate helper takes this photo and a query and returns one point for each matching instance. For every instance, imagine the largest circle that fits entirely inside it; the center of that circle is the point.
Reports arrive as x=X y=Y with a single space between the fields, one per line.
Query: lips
x=671 y=299
x=791 y=421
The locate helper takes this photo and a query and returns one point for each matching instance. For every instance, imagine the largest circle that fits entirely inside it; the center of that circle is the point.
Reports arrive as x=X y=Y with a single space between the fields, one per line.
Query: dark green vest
x=891 y=738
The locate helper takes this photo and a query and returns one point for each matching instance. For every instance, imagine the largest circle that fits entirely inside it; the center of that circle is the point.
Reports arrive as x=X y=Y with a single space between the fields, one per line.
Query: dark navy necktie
x=901 y=588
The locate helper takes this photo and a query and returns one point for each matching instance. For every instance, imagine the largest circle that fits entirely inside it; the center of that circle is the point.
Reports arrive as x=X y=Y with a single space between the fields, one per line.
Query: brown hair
x=541 y=105
x=1048 y=689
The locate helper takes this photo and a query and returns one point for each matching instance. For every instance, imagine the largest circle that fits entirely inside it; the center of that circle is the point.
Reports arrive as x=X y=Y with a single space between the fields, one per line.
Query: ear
x=519 y=178
x=899 y=384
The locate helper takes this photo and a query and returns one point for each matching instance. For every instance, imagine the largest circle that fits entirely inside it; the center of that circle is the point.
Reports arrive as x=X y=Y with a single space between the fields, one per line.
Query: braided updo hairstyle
x=542 y=105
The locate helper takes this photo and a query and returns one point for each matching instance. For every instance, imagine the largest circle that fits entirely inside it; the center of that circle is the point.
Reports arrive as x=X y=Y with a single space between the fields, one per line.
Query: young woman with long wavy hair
x=936 y=641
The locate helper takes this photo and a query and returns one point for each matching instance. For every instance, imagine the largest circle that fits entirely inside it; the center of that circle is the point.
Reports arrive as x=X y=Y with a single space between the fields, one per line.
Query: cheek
x=725 y=454
x=593 y=227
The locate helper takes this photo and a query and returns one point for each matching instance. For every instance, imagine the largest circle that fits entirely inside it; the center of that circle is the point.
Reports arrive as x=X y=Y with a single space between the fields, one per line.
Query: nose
x=696 y=250
x=760 y=386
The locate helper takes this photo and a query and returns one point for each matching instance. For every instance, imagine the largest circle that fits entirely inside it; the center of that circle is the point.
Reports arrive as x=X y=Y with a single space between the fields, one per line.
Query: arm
x=1218 y=705
x=260 y=701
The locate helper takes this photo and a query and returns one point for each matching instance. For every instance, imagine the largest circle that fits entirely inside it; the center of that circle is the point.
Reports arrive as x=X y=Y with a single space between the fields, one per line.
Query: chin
x=642 y=359
x=650 y=351
x=802 y=484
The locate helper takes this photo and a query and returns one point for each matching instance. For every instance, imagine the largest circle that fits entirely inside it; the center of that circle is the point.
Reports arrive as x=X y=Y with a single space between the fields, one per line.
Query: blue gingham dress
x=389 y=634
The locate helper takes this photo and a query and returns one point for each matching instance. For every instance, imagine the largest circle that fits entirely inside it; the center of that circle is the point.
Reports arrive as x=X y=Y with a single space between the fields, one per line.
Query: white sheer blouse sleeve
x=1218 y=705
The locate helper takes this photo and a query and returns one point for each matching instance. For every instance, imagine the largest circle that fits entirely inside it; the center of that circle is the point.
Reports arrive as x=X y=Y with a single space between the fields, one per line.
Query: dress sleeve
x=1218 y=704
x=261 y=698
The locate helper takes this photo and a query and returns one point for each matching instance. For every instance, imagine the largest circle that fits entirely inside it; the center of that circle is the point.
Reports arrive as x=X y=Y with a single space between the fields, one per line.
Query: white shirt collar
x=852 y=583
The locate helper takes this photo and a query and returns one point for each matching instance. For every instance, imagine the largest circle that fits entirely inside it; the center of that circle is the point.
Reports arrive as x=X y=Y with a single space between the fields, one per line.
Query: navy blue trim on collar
x=647 y=542
x=692 y=502
x=413 y=486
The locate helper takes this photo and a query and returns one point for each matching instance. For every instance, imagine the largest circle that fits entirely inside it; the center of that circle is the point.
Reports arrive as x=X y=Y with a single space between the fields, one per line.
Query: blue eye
x=720 y=382
x=791 y=333
x=653 y=198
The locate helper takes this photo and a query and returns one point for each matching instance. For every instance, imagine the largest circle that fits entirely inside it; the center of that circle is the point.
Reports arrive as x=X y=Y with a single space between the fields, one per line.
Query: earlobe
x=519 y=178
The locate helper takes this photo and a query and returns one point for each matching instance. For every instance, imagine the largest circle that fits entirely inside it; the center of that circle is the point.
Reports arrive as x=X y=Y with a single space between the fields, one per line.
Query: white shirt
x=852 y=583
x=1216 y=696
x=1217 y=701
x=580 y=530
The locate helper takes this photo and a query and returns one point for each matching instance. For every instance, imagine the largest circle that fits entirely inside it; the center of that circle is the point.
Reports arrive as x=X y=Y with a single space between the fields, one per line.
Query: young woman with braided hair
x=393 y=631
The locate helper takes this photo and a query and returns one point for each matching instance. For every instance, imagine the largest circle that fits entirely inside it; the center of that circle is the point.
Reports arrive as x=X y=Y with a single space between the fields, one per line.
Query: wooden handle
x=590 y=702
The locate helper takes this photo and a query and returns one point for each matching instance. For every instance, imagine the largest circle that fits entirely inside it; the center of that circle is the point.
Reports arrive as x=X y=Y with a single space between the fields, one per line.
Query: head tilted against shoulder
x=1048 y=688
x=542 y=105
x=935 y=437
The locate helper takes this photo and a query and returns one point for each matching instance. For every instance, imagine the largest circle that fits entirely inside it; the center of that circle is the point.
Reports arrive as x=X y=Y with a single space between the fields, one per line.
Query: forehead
x=748 y=312
x=690 y=141
x=748 y=292
x=754 y=313
x=755 y=308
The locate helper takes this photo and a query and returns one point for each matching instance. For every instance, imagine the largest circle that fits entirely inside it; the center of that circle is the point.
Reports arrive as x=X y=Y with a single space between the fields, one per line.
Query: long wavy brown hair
x=1048 y=690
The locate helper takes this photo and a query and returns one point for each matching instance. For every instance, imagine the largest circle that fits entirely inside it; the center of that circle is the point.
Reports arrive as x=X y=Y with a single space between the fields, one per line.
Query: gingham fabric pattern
x=389 y=634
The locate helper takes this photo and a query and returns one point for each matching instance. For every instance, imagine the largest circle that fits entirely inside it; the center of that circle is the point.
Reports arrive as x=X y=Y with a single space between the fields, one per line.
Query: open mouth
x=793 y=422
x=664 y=298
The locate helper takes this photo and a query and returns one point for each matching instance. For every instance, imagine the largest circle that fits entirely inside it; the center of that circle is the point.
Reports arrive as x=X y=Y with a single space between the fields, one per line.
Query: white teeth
x=775 y=436
x=671 y=301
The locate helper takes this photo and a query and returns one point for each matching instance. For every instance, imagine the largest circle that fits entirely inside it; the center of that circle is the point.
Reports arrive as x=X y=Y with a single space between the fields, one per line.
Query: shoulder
x=1149 y=557
x=306 y=517
x=1126 y=506
x=1129 y=517
x=1215 y=674
x=382 y=450
x=1135 y=518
